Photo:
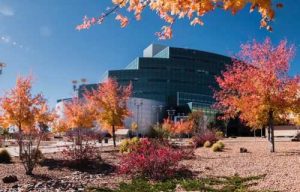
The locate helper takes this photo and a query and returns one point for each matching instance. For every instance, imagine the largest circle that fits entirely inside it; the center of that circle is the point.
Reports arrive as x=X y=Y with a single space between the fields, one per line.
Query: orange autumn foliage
x=59 y=125
x=109 y=102
x=30 y=114
x=257 y=85
x=172 y=10
x=179 y=127
x=78 y=114
x=21 y=109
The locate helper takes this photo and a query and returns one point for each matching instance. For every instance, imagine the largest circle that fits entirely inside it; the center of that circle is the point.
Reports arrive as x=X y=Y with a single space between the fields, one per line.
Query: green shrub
x=216 y=147
x=124 y=145
x=192 y=185
x=134 y=140
x=221 y=144
x=219 y=134
x=158 y=132
x=5 y=156
x=207 y=144
x=213 y=184
x=127 y=144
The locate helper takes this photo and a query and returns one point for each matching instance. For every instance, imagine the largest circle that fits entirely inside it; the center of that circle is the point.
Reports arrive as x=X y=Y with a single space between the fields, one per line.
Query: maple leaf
x=196 y=21
x=123 y=20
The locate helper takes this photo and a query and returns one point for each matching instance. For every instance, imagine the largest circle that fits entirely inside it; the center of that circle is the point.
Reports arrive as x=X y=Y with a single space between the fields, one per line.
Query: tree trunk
x=226 y=130
x=271 y=132
x=20 y=142
x=114 y=135
x=29 y=171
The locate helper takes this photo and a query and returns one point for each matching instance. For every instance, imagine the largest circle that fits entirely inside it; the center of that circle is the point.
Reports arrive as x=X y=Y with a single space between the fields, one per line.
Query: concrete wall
x=144 y=113
x=284 y=131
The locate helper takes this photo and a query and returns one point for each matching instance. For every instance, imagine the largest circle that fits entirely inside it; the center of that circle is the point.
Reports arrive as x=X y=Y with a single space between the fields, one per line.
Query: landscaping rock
x=39 y=185
x=10 y=179
x=243 y=150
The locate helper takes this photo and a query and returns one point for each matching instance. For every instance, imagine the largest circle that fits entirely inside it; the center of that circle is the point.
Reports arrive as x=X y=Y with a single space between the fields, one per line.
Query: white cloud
x=5 y=39
x=6 y=10
x=9 y=41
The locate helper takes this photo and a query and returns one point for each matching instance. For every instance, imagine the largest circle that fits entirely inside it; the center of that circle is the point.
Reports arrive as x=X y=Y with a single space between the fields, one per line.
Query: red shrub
x=84 y=149
x=207 y=135
x=151 y=159
x=82 y=154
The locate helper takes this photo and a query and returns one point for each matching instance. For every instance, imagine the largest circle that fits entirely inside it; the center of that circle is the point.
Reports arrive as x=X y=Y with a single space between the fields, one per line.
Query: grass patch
x=215 y=184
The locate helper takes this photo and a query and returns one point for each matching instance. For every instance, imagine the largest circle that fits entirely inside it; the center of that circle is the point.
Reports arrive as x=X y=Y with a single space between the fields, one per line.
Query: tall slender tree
x=110 y=105
x=197 y=118
x=79 y=115
x=29 y=114
x=257 y=87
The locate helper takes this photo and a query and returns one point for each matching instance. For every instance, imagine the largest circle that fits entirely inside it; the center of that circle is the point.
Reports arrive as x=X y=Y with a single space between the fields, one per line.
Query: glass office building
x=175 y=76
x=172 y=77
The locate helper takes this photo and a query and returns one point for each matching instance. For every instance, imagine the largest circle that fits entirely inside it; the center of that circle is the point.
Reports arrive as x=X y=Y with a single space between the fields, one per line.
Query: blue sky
x=38 y=37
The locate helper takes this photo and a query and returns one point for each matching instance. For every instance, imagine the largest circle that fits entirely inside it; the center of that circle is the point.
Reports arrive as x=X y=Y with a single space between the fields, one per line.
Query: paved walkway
x=52 y=146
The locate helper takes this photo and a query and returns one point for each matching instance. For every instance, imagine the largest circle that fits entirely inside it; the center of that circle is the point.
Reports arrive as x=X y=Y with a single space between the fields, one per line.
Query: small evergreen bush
x=216 y=147
x=5 y=156
x=221 y=144
x=207 y=144
x=219 y=134
x=158 y=132
x=127 y=144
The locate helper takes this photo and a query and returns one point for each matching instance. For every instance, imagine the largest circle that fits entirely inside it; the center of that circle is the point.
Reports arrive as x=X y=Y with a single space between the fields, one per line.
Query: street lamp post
x=74 y=82
x=157 y=108
x=2 y=65
x=138 y=103
x=171 y=112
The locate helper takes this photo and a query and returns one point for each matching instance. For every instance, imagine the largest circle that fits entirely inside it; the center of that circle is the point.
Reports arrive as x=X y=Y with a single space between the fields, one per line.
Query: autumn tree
x=109 y=101
x=79 y=116
x=197 y=119
x=78 y=121
x=30 y=115
x=257 y=88
x=171 y=10
x=179 y=127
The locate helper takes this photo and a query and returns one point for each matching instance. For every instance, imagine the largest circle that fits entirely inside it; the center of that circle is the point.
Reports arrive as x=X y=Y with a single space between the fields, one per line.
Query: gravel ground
x=53 y=176
x=282 y=168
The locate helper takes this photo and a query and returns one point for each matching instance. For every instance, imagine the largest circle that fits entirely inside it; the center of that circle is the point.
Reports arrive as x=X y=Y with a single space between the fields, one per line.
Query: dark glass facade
x=179 y=78
x=175 y=76
x=168 y=78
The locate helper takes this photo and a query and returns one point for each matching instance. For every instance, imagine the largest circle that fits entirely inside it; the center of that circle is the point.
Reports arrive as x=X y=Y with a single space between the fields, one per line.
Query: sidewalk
x=53 y=147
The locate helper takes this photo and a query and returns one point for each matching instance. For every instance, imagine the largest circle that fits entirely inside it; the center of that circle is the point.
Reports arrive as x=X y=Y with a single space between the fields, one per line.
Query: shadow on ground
x=41 y=177
x=288 y=153
x=91 y=167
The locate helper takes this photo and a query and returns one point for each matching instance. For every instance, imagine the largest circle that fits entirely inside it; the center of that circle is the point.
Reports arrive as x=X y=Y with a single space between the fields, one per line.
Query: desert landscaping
x=149 y=96
x=277 y=171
